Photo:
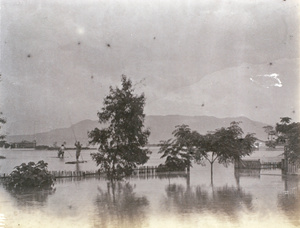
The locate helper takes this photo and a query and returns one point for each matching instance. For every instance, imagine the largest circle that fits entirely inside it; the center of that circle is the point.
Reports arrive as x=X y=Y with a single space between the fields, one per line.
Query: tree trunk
x=188 y=181
x=212 y=173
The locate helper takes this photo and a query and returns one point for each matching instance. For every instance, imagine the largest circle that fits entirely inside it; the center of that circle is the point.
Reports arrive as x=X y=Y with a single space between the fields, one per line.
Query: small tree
x=227 y=145
x=271 y=143
x=121 y=143
x=268 y=130
x=30 y=176
x=180 y=151
x=2 y=121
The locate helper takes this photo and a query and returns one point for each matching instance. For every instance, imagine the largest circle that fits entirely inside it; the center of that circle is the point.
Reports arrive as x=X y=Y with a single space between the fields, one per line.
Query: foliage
x=289 y=134
x=121 y=143
x=271 y=144
x=30 y=176
x=2 y=121
x=180 y=151
x=224 y=145
x=172 y=163
x=227 y=144
x=268 y=129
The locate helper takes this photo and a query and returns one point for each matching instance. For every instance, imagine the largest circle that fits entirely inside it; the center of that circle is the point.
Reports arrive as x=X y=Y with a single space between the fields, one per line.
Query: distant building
x=24 y=144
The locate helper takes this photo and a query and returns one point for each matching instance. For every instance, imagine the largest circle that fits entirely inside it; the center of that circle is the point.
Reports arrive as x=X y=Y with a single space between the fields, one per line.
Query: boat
x=58 y=157
x=75 y=162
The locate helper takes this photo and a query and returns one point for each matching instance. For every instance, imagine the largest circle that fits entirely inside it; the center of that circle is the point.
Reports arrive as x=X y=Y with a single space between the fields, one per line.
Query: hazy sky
x=219 y=58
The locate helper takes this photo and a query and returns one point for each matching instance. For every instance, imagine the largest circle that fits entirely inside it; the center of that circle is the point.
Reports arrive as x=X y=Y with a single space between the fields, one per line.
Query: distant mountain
x=69 y=135
x=163 y=126
x=161 y=129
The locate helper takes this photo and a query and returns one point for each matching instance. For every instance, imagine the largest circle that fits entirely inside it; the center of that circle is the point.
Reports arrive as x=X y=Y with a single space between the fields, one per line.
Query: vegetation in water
x=121 y=144
x=224 y=145
x=30 y=176
x=180 y=151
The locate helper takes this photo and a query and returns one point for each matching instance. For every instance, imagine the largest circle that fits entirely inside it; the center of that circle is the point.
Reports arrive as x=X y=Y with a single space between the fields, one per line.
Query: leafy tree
x=285 y=120
x=2 y=136
x=2 y=121
x=271 y=143
x=226 y=145
x=289 y=134
x=30 y=176
x=268 y=129
x=180 y=151
x=121 y=143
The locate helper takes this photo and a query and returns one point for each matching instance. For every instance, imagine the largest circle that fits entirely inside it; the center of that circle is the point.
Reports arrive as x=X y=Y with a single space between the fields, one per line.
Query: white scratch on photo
x=267 y=80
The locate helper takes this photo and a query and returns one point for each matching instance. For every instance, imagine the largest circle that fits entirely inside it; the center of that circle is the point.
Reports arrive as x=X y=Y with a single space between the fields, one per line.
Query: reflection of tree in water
x=289 y=201
x=32 y=198
x=228 y=201
x=120 y=207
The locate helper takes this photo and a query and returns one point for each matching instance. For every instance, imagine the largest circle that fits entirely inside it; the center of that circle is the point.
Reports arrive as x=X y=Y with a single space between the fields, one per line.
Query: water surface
x=253 y=198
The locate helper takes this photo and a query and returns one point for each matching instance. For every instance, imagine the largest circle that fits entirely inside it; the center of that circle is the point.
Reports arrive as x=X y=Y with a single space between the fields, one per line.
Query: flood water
x=252 y=198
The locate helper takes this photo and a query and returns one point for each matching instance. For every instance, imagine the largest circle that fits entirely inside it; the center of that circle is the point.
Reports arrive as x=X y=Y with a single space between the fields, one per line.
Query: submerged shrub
x=30 y=176
x=172 y=164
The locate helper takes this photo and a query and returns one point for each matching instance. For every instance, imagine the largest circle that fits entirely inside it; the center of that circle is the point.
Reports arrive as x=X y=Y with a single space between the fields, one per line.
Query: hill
x=161 y=129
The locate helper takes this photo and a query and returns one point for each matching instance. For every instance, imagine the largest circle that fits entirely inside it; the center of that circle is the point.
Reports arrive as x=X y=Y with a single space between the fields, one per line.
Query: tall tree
x=179 y=151
x=289 y=134
x=121 y=143
x=226 y=145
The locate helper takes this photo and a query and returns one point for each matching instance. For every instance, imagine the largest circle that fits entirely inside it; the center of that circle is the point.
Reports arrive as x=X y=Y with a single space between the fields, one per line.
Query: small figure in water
x=78 y=149
x=61 y=151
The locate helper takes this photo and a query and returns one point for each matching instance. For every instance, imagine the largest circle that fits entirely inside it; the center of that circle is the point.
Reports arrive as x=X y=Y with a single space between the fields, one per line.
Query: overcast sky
x=219 y=58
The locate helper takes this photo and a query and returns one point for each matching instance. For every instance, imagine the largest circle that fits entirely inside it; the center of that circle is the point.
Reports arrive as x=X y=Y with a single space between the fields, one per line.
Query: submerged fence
x=147 y=171
x=293 y=169
x=256 y=164
x=140 y=171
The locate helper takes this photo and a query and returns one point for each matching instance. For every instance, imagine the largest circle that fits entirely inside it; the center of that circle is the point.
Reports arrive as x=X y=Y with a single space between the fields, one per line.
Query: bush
x=172 y=165
x=30 y=176
x=271 y=144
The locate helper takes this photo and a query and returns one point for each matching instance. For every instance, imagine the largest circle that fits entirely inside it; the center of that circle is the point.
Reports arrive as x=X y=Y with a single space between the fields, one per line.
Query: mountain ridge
x=161 y=127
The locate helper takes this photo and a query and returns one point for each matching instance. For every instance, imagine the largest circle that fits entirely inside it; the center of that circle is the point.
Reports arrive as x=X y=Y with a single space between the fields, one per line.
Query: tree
x=226 y=145
x=268 y=130
x=180 y=151
x=2 y=121
x=289 y=135
x=30 y=176
x=2 y=136
x=121 y=143
x=271 y=133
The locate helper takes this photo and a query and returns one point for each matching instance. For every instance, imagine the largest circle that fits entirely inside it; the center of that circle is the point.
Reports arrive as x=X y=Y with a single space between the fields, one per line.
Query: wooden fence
x=256 y=164
x=293 y=169
x=140 y=171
